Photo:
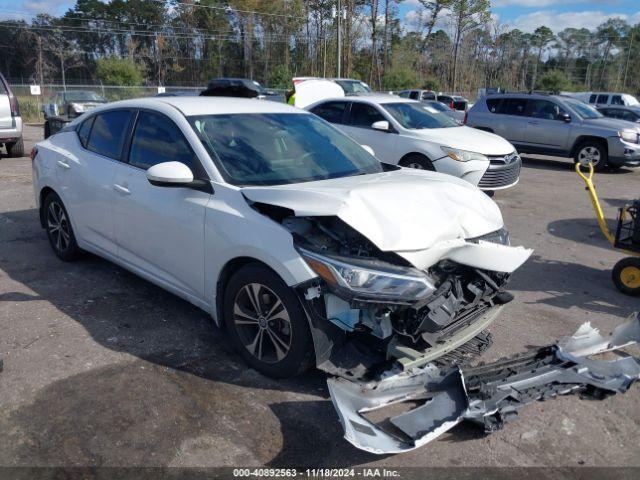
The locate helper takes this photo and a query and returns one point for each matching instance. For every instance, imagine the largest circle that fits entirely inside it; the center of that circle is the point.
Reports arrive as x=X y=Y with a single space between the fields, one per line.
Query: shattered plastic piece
x=490 y=394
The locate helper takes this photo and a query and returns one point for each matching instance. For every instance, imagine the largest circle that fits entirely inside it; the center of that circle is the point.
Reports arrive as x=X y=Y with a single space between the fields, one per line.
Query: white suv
x=10 y=121
x=412 y=134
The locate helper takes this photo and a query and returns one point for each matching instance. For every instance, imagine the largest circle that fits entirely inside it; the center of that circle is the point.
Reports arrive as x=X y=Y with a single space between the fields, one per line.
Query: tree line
x=452 y=45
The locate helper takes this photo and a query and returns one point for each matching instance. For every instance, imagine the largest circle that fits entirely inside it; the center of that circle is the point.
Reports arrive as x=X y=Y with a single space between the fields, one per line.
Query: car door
x=160 y=230
x=546 y=126
x=361 y=117
x=510 y=121
x=86 y=178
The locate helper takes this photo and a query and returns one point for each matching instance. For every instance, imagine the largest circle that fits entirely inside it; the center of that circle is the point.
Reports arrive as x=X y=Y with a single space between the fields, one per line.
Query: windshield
x=280 y=148
x=414 y=116
x=582 y=109
x=353 y=86
x=83 y=96
x=437 y=106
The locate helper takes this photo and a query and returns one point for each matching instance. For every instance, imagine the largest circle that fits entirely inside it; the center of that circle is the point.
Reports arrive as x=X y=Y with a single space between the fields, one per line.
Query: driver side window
x=157 y=139
x=363 y=115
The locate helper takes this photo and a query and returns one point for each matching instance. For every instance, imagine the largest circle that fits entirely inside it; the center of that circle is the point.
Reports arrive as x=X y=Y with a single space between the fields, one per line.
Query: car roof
x=376 y=98
x=208 y=105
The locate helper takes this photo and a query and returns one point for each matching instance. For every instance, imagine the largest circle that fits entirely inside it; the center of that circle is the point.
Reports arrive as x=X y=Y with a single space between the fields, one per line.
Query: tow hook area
x=406 y=410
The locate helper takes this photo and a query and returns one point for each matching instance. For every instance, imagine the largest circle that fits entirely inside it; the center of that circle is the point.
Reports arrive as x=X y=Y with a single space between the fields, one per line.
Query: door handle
x=64 y=165
x=121 y=189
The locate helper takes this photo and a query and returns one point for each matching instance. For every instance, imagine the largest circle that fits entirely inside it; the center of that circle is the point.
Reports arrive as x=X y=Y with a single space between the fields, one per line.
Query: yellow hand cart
x=626 y=273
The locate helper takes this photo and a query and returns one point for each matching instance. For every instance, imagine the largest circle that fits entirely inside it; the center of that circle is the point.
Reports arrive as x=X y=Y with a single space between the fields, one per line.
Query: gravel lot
x=103 y=368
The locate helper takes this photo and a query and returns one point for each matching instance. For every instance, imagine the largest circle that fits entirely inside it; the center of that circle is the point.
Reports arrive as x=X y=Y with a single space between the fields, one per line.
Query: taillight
x=15 y=108
x=451 y=106
x=466 y=114
x=34 y=152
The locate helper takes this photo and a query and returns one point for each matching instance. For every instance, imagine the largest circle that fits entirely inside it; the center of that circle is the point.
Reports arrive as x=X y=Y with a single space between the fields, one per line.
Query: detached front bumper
x=376 y=416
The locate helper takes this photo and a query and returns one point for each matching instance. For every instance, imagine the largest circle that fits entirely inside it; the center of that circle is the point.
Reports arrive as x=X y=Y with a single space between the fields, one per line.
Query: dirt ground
x=103 y=368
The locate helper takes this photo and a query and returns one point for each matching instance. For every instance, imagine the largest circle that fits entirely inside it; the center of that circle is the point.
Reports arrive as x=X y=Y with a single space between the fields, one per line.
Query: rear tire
x=16 y=149
x=59 y=230
x=266 y=322
x=626 y=276
x=592 y=151
x=417 y=161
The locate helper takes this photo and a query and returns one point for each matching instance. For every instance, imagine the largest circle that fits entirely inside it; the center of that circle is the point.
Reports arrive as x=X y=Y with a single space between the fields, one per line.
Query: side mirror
x=381 y=125
x=369 y=149
x=565 y=117
x=170 y=174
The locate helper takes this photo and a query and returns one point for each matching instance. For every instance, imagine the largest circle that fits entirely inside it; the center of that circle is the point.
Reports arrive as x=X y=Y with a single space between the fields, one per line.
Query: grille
x=500 y=173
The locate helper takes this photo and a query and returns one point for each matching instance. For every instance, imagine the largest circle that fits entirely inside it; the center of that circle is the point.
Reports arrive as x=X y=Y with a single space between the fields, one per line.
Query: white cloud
x=31 y=8
x=559 y=21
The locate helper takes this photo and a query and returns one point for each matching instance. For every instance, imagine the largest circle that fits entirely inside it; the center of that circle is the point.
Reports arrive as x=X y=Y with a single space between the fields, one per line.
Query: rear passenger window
x=108 y=133
x=602 y=99
x=493 y=104
x=84 y=130
x=514 y=106
x=157 y=139
x=413 y=95
x=617 y=100
x=332 y=112
x=592 y=98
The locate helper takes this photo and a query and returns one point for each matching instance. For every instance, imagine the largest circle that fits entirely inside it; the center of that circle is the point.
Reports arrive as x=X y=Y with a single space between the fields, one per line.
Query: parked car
x=10 y=121
x=454 y=102
x=605 y=98
x=410 y=134
x=558 y=125
x=65 y=106
x=440 y=107
x=240 y=87
x=349 y=86
x=630 y=114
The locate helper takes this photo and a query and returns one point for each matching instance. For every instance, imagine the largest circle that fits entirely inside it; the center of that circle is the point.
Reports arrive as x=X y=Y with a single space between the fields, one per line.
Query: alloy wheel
x=262 y=323
x=58 y=227
x=589 y=155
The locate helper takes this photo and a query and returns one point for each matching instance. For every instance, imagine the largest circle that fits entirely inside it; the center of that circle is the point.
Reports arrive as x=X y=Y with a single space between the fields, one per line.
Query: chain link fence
x=31 y=105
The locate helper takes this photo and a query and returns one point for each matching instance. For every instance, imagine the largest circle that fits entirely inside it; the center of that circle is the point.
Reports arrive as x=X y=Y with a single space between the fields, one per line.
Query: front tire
x=266 y=323
x=592 y=151
x=626 y=276
x=59 y=230
x=417 y=161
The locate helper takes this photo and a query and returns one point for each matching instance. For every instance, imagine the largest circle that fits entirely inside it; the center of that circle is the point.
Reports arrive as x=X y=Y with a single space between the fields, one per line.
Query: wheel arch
x=227 y=271
x=414 y=153
x=585 y=138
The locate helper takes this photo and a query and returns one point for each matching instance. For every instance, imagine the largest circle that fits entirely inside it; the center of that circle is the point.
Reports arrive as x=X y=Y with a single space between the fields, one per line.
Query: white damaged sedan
x=291 y=235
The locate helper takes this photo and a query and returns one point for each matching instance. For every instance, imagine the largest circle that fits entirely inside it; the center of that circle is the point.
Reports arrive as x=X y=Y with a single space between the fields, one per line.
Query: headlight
x=463 y=155
x=77 y=108
x=371 y=279
x=628 y=136
x=499 y=236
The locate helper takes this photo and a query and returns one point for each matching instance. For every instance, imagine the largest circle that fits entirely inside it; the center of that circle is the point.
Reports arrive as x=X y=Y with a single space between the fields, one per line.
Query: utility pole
x=626 y=67
x=339 y=41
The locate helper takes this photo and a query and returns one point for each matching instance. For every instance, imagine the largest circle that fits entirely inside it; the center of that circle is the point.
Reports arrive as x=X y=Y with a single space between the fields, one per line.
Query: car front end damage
x=397 y=324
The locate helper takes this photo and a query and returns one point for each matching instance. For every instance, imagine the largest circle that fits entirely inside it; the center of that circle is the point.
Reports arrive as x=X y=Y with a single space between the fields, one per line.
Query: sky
x=526 y=15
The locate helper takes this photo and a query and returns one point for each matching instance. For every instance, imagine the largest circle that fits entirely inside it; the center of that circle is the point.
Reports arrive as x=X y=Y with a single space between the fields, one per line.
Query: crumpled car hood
x=422 y=216
x=401 y=210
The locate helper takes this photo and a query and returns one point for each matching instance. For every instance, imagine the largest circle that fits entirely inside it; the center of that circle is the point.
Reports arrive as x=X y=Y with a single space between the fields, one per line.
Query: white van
x=605 y=98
